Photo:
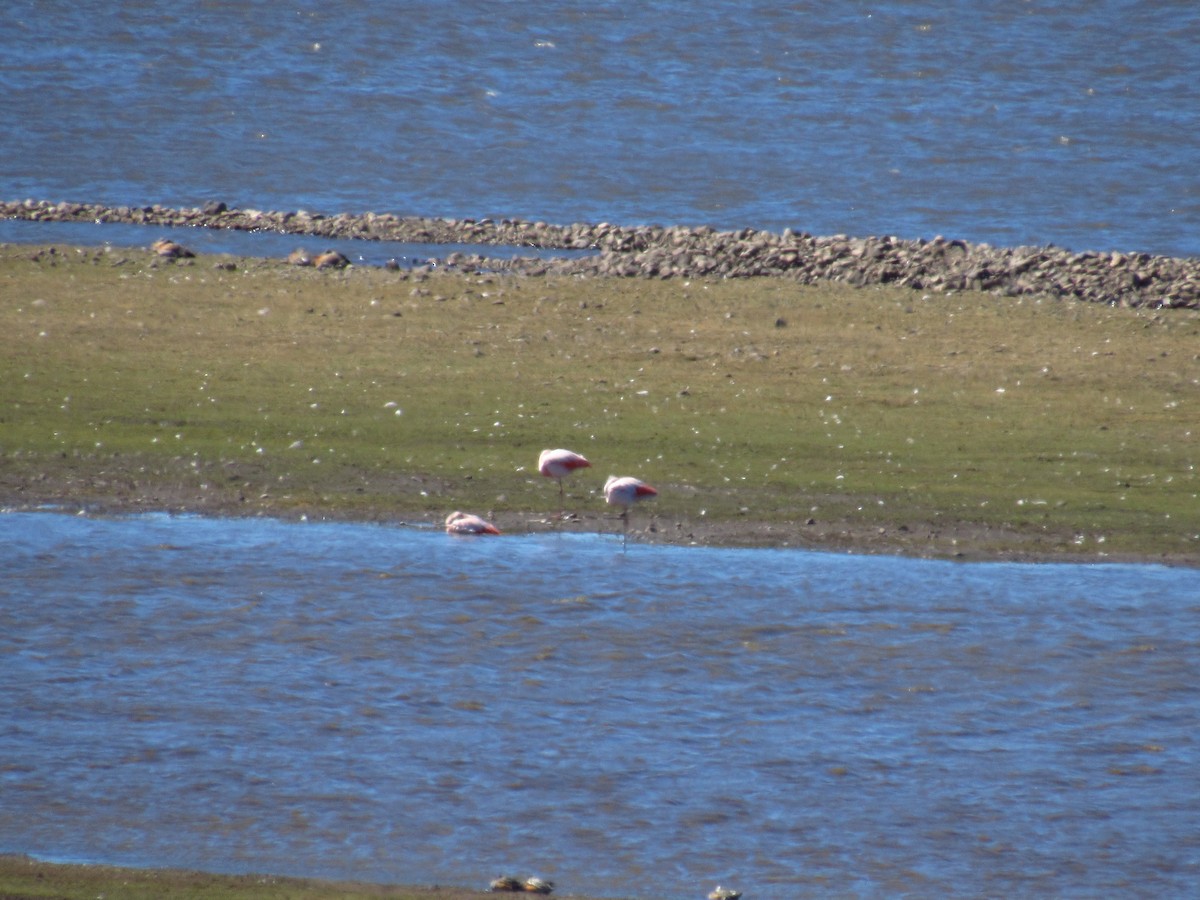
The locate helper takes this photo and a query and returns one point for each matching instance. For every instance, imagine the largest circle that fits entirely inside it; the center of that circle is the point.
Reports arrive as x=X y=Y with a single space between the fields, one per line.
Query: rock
x=330 y=259
x=651 y=251
x=168 y=249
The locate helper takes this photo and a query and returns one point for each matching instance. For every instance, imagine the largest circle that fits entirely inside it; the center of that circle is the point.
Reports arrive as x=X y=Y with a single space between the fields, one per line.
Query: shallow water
x=1014 y=123
x=256 y=243
x=390 y=703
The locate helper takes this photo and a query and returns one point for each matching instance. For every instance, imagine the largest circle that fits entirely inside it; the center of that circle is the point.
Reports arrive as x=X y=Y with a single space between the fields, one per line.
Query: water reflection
x=393 y=704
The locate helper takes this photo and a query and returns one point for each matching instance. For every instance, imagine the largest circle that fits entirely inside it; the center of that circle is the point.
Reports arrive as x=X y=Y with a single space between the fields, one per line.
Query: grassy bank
x=22 y=878
x=764 y=411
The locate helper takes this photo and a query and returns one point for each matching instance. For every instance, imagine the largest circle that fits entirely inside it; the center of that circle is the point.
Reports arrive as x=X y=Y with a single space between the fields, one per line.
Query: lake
x=389 y=703
x=1070 y=123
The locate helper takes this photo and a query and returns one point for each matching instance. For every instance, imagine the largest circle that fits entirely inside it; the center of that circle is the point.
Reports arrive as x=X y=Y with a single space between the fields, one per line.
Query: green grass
x=369 y=393
x=23 y=878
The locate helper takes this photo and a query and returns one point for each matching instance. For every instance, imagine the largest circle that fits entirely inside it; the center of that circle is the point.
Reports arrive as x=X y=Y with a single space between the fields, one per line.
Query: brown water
x=390 y=703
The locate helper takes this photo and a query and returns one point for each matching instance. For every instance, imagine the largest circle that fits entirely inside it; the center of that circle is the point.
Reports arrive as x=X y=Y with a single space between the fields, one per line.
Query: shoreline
x=965 y=542
x=1128 y=279
x=1044 y=493
x=27 y=877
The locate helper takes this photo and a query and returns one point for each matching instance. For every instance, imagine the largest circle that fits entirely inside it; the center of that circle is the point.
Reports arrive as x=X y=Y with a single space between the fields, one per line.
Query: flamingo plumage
x=465 y=523
x=625 y=492
x=558 y=464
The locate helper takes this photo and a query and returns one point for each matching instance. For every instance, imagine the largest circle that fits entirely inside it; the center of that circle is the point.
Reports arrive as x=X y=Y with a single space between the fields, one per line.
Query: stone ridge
x=651 y=251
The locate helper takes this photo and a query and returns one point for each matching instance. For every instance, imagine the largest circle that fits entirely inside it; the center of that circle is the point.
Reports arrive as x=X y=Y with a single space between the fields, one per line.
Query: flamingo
x=625 y=492
x=465 y=523
x=558 y=464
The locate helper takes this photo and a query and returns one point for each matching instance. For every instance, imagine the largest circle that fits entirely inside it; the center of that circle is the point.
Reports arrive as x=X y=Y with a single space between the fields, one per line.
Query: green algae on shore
x=766 y=412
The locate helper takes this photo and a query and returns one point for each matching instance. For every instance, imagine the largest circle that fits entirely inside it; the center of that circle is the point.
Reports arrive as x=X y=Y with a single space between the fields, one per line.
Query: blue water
x=1070 y=123
x=390 y=703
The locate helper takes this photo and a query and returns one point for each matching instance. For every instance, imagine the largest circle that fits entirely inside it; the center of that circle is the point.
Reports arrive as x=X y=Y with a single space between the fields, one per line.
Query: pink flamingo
x=624 y=492
x=465 y=523
x=558 y=464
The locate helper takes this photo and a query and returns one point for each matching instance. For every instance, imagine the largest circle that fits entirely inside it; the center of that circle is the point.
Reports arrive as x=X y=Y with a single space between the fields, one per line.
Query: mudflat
x=766 y=412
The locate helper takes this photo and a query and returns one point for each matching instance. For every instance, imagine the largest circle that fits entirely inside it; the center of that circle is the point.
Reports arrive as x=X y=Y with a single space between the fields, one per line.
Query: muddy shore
x=122 y=489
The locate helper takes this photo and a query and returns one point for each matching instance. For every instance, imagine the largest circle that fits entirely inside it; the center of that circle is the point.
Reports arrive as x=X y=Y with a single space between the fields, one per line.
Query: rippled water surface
x=1076 y=123
x=390 y=703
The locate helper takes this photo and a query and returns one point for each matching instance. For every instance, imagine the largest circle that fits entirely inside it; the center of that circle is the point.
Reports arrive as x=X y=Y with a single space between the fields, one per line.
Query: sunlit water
x=1074 y=123
x=394 y=704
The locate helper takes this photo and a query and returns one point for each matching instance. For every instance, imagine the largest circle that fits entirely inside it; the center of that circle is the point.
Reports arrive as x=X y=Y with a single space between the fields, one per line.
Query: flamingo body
x=625 y=492
x=465 y=523
x=560 y=463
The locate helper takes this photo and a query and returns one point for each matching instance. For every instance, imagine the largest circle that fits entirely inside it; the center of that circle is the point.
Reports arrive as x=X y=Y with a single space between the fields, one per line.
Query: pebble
x=653 y=251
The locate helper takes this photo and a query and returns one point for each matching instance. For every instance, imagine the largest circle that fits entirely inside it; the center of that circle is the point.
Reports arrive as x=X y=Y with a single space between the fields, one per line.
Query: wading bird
x=558 y=464
x=624 y=492
x=465 y=523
